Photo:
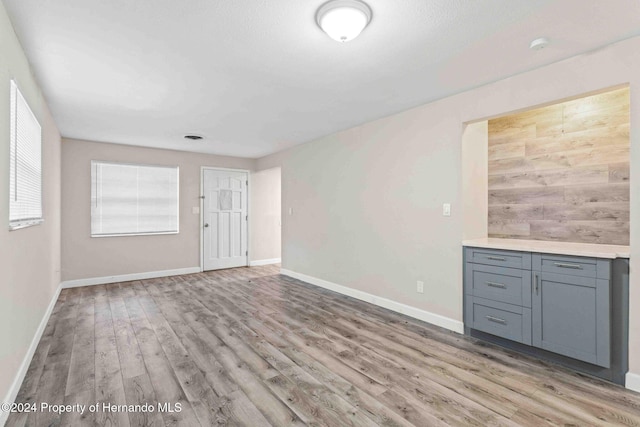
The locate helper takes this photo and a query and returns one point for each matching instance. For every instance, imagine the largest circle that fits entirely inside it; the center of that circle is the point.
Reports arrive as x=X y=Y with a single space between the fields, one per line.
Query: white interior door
x=225 y=219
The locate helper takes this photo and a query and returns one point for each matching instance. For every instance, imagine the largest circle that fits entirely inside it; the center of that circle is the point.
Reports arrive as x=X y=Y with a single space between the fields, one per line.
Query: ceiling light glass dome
x=343 y=20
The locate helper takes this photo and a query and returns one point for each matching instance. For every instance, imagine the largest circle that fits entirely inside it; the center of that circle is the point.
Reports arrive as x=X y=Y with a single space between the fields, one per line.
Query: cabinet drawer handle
x=564 y=265
x=496 y=320
x=496 y=258
x=496 y=285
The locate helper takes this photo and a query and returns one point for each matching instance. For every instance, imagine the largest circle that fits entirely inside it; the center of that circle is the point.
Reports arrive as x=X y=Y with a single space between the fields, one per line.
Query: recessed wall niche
x=561 y=172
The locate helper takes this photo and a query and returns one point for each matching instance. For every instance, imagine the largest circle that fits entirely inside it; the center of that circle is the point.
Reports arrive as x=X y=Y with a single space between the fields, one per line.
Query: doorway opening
x=265 y=219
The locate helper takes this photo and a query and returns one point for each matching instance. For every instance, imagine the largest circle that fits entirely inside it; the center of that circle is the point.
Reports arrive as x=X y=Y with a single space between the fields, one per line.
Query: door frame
x=201 y=220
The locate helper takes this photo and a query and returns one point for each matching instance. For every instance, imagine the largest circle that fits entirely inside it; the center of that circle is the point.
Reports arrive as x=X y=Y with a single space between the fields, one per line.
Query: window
x=131 y=199
x=25 y=164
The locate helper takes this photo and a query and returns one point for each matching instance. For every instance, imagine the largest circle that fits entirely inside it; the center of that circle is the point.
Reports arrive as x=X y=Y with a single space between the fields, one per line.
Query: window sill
x=25 y=224
x=160 y=233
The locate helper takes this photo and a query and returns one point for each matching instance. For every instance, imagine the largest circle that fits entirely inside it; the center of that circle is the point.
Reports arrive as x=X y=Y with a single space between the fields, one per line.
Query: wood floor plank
x=210 y=408
x=77 y=416
x=506 y=376
x=250 y=347
x=297 y=379
x=109 y=386
x=131 y=362
x=163 y=377
x=497 y=403
x=80 y=386
x=81 y=366
x=52 y=384
x=139 y=391
x=243 y=366
x=344 y=355
x=29 y=388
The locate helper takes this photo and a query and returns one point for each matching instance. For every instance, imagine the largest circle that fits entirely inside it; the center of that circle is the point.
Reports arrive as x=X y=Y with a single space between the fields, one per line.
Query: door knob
x=206 y=225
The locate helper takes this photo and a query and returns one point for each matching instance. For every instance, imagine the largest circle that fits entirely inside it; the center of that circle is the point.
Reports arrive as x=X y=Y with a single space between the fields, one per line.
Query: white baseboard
x=265 y=262
x=416 y=313
x=24 y=366
x=632 y=381
x=127 y=277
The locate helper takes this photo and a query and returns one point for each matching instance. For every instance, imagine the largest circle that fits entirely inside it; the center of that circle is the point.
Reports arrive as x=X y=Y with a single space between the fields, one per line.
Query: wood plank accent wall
x=562 y=172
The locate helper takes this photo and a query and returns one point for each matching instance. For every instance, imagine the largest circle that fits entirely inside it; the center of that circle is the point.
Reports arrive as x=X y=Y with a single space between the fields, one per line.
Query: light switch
x=446 y=209
x=195 y=210
x=290 y=211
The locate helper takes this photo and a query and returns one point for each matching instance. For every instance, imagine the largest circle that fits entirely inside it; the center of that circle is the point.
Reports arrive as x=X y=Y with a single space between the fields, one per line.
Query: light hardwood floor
x=250 y=347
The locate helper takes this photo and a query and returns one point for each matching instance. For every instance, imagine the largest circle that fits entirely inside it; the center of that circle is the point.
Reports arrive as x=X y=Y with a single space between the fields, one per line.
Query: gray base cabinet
x=556 y=303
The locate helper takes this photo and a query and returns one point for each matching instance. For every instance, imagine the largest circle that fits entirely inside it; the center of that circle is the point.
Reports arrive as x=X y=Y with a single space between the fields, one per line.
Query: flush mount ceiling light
x=343 y=20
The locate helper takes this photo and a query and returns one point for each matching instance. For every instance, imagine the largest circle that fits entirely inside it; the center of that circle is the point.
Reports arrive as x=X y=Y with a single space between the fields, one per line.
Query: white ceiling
x=257 y=76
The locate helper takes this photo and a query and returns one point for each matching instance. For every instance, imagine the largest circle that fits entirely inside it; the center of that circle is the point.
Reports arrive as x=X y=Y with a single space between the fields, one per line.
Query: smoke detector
x=539 y=43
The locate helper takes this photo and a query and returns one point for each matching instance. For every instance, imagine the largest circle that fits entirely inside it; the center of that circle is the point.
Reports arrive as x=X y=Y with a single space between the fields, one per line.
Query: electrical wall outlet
x=420 y=287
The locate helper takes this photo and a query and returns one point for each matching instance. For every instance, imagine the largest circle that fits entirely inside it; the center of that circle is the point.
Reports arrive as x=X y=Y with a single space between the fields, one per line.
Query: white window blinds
x=133 y=199
x=25 y=168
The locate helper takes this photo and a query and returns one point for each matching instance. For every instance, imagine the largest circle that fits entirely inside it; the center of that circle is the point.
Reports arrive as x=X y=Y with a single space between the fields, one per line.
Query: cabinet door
x=571 y=316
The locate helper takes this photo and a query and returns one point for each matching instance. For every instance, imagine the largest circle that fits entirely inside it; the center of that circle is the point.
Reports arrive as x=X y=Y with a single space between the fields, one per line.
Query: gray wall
x=367 y=201
x=85 y=257
x=264 y=219
x=30 y=257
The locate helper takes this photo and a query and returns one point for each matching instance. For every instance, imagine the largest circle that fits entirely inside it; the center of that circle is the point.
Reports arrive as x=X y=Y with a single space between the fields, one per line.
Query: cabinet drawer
x=508 y=285
x=500 y=258
x=504 y=320
x=572 y=265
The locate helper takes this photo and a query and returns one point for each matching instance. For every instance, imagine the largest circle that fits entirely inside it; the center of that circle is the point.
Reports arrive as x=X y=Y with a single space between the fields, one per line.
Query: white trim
x=249 y=214
x=24 y=367
x=18 y=225
x=248 y=172
x=416 y=313
x=127 y=277
x=201 y=222
x=155 y=233
x=264 y=262
x=632 y=381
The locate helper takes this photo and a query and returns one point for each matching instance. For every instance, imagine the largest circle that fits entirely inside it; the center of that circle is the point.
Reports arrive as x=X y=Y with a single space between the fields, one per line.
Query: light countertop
x=560 y=248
